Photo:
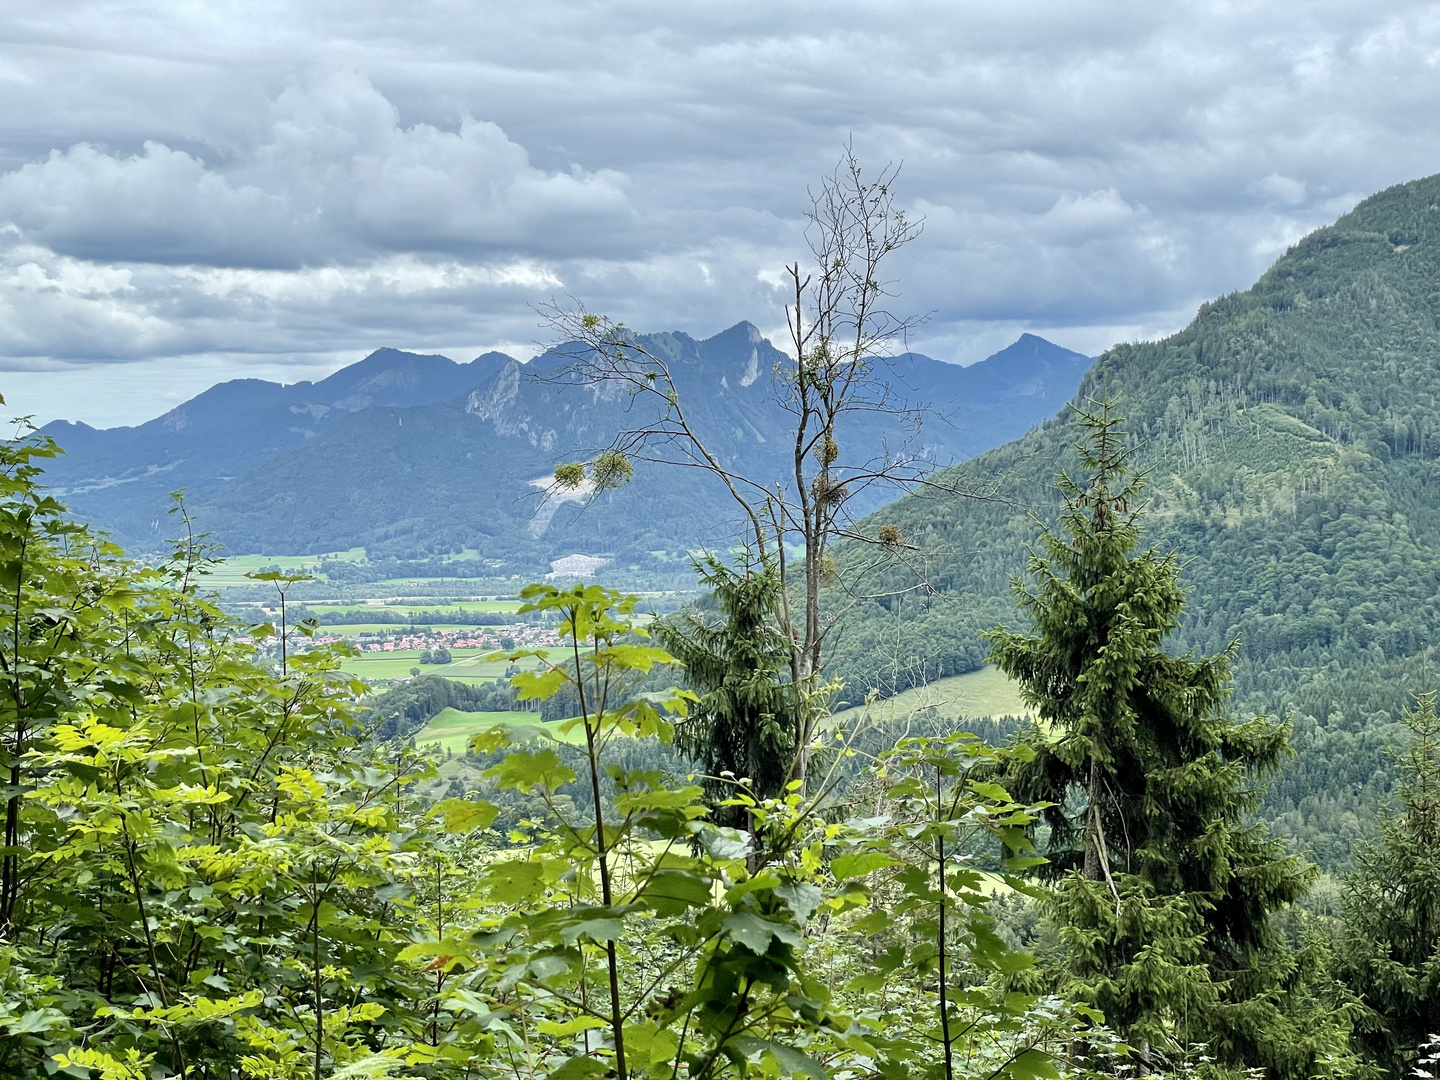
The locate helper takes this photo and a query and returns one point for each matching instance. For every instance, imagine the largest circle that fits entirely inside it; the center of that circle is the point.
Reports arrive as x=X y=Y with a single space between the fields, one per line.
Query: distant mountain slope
x=997 y=399
x=1292 y=433
x=410 y=455
x=120 y=477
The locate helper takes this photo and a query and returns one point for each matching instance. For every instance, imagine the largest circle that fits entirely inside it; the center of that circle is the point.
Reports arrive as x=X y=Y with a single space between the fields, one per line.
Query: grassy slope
x=467 y=665
x=452 y=729
x=983 y=693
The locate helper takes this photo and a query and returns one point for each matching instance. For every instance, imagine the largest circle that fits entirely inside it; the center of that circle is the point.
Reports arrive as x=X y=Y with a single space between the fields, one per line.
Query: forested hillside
x=1292 y=438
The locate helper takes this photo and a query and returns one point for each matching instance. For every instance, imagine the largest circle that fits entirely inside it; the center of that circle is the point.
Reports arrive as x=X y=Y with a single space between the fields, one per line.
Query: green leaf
x=669 y=892
x=514 y=881
x=489 y=740
x=792 y=1062
x=990 y=951
x=651 y=1042
x=539 y=685
x=1032 y=1064
x=867 y=982
x=756 y=933
x=802 y=899
x=570 y=1027
x=597 y=930
x=860 y=863
x=635 y=657
x=34 y=1021
x=524 y=770
x=726 y=845
x=872 y=922
x=579 y=1067
x=993 y=792
x=463 y=815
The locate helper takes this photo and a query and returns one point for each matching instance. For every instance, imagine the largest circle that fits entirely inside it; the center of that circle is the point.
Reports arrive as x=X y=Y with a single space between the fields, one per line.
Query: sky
x=192 y=192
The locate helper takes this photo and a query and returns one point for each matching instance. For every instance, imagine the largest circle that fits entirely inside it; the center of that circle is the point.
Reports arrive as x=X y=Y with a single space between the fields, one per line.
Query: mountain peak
x=483 y=430
x=743 y=332
x=1030 y=348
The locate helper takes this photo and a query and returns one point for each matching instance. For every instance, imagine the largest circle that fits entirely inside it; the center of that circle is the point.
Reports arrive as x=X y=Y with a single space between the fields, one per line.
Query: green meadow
x=984 y=693
x=231 y=571
x=452 y=728
x=411 y=606
x=467 y=665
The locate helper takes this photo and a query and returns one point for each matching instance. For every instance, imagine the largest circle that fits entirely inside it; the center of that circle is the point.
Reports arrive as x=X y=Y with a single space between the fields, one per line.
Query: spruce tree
x=744 y=724
x=1165 y=891
x=1389 y=949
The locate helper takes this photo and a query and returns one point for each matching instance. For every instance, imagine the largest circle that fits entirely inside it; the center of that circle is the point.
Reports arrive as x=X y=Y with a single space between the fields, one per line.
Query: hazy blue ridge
x=413 y=455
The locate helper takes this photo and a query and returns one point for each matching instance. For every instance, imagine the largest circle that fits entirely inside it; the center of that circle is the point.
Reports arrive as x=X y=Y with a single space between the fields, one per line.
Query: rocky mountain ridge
x=416 y=455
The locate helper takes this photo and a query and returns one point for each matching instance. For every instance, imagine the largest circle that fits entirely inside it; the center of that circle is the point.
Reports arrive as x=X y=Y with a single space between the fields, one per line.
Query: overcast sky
x=197 y=191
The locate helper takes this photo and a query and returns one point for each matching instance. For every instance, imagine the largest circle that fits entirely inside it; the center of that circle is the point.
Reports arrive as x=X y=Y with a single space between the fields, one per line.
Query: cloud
x=336 y=179
x=1284 y=190
x=272 y=186
x=160 y=205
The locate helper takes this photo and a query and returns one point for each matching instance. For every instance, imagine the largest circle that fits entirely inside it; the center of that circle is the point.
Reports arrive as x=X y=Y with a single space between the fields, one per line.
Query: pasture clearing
x=452 y=729
x=984 y=693
x=231 y=571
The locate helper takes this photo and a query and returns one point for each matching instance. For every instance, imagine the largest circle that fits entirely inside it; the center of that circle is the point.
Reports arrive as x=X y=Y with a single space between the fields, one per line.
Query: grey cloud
x=336 y=178
x=288 y=182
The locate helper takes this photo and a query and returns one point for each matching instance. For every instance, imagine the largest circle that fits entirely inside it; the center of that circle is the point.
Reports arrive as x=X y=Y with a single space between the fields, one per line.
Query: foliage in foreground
x=209 y=871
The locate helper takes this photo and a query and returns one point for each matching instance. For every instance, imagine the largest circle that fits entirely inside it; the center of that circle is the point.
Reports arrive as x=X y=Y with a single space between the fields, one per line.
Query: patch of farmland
x=452 y=729
x=974 y=695
x=466 y=665
x=231 y=571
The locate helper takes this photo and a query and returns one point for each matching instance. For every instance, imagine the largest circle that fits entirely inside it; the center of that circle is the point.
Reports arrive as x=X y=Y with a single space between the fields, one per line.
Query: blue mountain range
x=411 y=455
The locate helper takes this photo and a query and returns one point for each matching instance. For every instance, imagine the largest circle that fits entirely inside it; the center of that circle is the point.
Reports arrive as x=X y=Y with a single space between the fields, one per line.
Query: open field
x=233 y=569
x=455 y=586
x=982 y=693
x=438 y=604
x=452 y=728
x=467 y=665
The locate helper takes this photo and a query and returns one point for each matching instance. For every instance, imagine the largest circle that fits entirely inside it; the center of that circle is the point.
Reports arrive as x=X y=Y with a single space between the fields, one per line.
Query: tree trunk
x=1094 y=869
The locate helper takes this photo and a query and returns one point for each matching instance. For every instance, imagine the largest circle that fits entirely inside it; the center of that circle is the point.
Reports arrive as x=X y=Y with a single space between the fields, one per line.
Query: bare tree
x=841 y=331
